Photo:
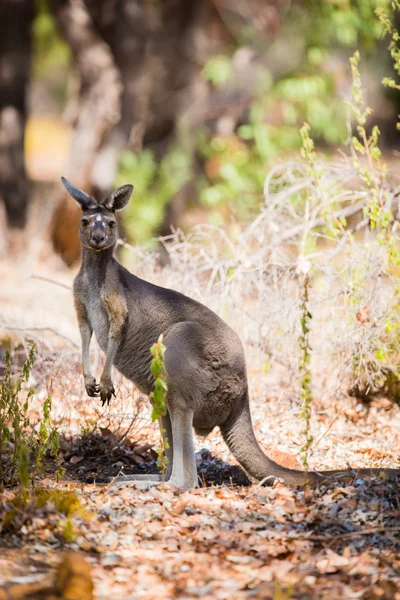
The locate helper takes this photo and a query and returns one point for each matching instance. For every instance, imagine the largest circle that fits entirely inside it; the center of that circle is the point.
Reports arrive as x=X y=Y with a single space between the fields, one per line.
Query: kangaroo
x=204 y=358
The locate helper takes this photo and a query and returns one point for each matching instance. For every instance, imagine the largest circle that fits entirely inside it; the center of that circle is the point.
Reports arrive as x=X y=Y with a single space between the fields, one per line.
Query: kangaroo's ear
x=118 y=199
x=85 y=201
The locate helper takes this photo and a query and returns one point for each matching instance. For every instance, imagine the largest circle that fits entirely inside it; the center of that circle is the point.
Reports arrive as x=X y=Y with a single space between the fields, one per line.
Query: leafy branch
x=18 y=439
x=158 y=398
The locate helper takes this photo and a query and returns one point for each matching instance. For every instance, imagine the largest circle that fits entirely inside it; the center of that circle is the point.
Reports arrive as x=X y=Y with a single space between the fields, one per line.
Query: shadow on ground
x=97 y=455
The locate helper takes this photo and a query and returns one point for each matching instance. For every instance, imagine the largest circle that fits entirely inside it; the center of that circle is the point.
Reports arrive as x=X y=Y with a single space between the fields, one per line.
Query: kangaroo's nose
x=98 y=238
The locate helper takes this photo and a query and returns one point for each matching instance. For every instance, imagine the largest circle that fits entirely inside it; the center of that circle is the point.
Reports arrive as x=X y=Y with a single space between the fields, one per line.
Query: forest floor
x=220 y=542
x=229 y=538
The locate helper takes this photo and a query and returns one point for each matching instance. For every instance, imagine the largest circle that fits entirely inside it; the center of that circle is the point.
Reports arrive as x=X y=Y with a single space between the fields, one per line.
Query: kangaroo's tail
x=239 y=435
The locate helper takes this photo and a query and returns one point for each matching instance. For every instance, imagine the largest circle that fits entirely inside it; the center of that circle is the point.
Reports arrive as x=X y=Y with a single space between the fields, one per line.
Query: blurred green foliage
x=319 y=35
x=50 y=51
x=344 y=23
x=218 y=69
x=316 y=36
x=155 y=184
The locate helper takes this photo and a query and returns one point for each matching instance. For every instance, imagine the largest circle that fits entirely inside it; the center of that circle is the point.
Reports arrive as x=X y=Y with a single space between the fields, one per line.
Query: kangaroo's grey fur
x=204 y=360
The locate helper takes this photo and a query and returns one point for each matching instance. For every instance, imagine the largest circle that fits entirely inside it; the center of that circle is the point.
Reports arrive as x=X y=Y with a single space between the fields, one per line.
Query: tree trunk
x=155 y=50
x=16 y=18
x=98 y=109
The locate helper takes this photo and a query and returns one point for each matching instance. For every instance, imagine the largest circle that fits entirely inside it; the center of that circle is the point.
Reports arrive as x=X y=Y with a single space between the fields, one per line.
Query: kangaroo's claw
x=106 y=391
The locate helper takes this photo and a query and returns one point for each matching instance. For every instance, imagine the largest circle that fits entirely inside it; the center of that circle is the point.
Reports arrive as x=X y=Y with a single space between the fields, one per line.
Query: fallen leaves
x=72 y=581
x=231 y=542
x=331 y=562
x=148 y=542
x=364 y=315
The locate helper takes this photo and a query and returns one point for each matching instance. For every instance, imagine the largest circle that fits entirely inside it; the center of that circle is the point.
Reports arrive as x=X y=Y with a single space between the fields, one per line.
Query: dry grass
x=250 y=277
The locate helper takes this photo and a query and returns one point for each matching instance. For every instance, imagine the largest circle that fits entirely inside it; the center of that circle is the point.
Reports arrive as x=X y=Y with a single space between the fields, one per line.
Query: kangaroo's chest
x=98 y=319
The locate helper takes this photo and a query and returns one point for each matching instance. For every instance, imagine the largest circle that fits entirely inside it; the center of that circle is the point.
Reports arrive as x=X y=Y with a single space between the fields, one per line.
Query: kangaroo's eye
x=111 y=224
x=85 y=222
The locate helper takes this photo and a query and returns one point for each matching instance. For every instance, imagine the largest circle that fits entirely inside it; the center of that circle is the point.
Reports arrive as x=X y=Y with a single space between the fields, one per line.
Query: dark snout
x=97 y=242
x=98 y=236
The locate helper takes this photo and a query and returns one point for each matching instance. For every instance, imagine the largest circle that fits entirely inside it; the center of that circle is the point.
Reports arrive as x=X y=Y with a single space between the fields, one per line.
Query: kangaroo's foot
x=142 y=477
x=107 y=390
x=182 y=482
x=145 y=478
x=92 y=388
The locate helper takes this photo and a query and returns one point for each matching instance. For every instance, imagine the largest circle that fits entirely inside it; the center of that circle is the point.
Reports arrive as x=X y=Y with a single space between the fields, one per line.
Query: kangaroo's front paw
x=106 y=391
x=92 y=388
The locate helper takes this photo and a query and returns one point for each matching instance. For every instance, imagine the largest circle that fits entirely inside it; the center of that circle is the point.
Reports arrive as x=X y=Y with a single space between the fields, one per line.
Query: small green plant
x=314 y=196
x=158 y=395
x=388 y=24
x=14 y=423
x=371 y=361
x=373 y=174
x=162 y=459
x=48 y=441
x=19 y=441
x=65 y=503
x=307 y=151
x=304 y=367
x=158 y=399
x=376 y=344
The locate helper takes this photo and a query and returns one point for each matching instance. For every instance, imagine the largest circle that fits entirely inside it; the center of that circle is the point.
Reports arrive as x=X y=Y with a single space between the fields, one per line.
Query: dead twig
x=350 y=534
x=49 y=329
x=49 y=280
x=320 y=221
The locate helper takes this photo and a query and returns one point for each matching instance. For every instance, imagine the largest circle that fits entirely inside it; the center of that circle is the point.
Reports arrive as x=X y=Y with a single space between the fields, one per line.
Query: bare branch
x=49 y=280
x=49 y=329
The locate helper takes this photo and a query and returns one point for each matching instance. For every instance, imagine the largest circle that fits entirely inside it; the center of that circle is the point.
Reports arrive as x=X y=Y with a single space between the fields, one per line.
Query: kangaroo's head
x=98 y=230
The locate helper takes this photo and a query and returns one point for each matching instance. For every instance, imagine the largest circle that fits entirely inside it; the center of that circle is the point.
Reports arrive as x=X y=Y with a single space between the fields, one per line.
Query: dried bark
x=16 y=18
x=98 y=110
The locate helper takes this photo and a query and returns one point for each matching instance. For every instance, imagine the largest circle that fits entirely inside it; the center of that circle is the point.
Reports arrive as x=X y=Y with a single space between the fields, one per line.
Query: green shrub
x=158 y=398
x=22 y=447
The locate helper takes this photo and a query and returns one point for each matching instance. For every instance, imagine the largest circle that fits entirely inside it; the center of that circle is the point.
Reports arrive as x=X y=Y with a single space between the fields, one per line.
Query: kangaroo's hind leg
x=190 y=380
x=184 y=472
